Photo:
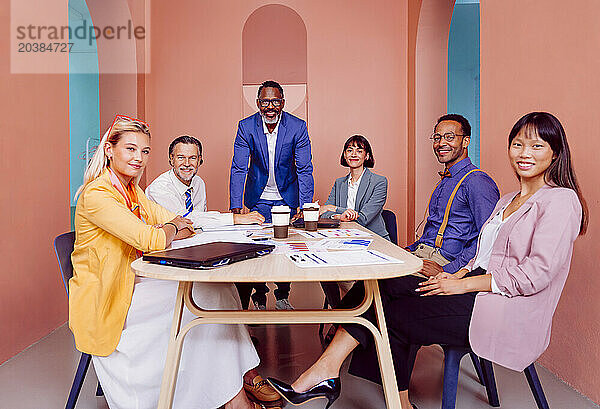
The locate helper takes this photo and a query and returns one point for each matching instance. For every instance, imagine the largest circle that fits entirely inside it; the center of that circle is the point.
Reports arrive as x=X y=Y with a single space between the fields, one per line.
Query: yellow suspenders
x=440 y=234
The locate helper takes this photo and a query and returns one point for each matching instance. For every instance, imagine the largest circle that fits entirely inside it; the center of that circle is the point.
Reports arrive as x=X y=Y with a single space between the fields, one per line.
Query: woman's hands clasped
x=185 y=227
x=449 y=284
x=347 y=216
x=442 y=284
x=178 y=228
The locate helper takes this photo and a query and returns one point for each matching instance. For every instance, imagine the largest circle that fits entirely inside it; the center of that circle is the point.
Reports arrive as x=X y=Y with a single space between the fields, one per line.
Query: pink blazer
x=530 y=262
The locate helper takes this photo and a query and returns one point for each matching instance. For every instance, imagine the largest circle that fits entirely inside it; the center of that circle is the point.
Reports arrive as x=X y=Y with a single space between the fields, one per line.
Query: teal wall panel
x=84 y=97
x=463 y=69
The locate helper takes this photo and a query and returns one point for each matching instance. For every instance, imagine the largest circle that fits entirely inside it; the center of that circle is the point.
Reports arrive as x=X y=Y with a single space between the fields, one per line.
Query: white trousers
x=214 y=359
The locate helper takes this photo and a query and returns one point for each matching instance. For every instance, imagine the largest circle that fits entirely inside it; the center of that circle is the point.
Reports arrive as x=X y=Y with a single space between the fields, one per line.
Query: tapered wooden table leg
x=384 y=352
x=167 y=387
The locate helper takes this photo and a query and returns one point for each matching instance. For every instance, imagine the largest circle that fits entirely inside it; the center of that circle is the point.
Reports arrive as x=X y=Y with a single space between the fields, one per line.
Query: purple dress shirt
x=472 y=206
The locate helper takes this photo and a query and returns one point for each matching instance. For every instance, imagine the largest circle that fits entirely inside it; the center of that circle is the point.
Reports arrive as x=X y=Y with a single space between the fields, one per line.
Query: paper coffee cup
x=281 y=221
x=311 y=216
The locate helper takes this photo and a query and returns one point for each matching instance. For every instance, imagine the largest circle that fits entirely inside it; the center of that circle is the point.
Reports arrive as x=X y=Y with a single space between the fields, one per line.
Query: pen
x=311 y=259
x=377 y=255
x=261 y=239
x=315 y=256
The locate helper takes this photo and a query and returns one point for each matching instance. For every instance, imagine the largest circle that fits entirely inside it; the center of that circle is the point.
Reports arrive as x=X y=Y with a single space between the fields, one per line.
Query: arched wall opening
x=280 y=57
x=105 y=78
x=446 y=81
x=431 y=84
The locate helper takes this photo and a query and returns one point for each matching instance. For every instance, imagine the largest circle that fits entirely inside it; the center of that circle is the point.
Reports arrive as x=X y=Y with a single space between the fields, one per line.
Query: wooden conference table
x=277 y=267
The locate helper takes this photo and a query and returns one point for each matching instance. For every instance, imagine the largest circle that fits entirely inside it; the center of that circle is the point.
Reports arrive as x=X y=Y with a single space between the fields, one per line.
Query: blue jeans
x=260 y=289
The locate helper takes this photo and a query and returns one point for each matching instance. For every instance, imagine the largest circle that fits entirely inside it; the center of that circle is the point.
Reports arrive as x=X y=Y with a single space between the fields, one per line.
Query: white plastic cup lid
x=310 y=205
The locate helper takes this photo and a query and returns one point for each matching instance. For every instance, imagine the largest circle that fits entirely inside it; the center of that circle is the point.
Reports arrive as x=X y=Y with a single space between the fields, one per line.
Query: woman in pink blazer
x=503 y=301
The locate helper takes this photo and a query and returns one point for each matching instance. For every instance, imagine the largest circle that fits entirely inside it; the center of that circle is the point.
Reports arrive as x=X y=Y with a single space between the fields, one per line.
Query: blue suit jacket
x=293 y=162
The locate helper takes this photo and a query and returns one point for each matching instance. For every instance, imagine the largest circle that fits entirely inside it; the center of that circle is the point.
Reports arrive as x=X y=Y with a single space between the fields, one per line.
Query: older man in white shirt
x=182 y=191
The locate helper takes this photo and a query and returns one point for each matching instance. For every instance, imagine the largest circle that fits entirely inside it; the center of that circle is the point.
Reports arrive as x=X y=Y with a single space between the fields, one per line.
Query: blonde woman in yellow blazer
x=123 y=321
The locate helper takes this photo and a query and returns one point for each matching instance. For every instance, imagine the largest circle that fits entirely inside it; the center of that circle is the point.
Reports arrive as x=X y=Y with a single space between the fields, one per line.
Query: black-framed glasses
x=277 y=102
x=448 y=136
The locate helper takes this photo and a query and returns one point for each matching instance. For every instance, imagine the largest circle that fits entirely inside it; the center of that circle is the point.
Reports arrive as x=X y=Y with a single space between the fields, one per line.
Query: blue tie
x=189 y=206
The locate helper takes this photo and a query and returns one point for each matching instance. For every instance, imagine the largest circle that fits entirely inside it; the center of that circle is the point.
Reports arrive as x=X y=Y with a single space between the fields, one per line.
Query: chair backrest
x=389 y=218
x=63 y=246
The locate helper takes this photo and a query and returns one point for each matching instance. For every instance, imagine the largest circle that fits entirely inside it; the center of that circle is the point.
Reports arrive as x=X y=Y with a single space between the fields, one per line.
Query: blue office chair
x=63 y=246
x=389 y=219
x=331 y=289
x=485 y=372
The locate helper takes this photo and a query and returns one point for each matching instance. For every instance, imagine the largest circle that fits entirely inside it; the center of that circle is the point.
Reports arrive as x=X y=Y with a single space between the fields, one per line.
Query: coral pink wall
x=34 y=174
x=547 y=57
x=356 y=84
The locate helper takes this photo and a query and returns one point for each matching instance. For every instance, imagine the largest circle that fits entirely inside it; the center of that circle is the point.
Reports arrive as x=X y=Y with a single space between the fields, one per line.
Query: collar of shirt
x=179 y=185
x=276 y=130
x=458 y=166
x=350 y=184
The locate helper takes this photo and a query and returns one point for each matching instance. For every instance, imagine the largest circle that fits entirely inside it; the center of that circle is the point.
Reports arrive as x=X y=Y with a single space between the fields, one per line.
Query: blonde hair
x=100 y=161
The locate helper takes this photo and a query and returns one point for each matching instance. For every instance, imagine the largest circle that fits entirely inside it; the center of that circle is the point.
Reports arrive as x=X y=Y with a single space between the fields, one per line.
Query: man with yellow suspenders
x=461 y=202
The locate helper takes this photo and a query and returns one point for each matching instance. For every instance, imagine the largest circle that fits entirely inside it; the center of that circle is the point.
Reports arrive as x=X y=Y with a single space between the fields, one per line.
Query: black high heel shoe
x=328 y=389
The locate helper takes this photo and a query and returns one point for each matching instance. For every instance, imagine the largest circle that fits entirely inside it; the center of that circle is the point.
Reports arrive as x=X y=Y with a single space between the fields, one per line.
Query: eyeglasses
x=448 y=136
x=265 y=102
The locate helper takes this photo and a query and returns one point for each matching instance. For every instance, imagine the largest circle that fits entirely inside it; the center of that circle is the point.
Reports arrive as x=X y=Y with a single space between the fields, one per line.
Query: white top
x=353 y=191
x=169 y=192
x=487 y=238
x=271 y=192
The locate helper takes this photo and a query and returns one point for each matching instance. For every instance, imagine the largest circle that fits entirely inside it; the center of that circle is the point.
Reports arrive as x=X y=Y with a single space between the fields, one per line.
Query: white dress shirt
x=353 y=191
x=486 y=241
x=271 y=192
x=169 y=192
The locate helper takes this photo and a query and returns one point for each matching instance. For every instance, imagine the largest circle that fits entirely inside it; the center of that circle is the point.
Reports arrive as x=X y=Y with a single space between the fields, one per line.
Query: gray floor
x=40 y=377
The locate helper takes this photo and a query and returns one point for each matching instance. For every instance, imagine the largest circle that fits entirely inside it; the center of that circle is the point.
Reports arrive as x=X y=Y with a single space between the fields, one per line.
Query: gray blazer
x=371 y=196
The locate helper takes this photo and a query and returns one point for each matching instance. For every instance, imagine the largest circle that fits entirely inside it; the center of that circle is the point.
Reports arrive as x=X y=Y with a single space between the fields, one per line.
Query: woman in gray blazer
x=361 y=194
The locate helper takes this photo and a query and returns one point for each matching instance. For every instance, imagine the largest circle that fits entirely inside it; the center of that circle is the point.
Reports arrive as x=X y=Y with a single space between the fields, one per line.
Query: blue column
x=463 y=68
x=84 y=97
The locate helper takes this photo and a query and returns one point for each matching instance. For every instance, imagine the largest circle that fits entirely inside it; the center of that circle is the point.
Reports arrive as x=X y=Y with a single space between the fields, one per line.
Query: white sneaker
x=283 y=305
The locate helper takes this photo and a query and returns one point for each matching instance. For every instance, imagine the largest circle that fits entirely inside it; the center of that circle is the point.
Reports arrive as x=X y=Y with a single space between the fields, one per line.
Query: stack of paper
x=340 y=259
x=344 y=244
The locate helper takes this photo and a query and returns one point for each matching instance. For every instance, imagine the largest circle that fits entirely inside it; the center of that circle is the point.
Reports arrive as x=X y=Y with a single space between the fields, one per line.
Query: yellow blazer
x=107 y=235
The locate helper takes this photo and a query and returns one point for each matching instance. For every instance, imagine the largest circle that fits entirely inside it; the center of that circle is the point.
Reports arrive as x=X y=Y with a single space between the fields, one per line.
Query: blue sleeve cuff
x=452 y=267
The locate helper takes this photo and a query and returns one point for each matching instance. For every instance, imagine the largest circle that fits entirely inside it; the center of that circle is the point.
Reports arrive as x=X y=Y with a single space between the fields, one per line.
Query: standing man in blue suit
x=277 y=147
